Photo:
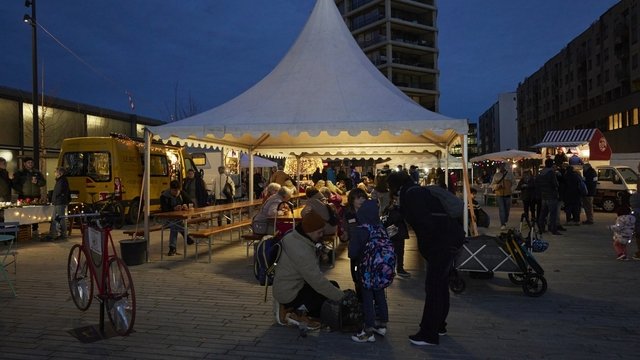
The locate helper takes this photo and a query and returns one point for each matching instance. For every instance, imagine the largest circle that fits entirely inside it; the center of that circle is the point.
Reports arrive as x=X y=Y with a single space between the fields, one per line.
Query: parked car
x=615 y=185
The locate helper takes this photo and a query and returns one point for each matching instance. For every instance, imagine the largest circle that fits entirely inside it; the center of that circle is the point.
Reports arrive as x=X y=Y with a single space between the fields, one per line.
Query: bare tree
x=182 y=108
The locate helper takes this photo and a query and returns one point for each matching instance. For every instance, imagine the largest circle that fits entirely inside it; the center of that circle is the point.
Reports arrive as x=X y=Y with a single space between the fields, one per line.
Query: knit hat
x=311 y=222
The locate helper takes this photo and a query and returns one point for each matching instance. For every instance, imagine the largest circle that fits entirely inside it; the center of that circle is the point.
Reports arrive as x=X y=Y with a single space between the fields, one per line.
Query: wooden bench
x=208 y=233
x=251 y=239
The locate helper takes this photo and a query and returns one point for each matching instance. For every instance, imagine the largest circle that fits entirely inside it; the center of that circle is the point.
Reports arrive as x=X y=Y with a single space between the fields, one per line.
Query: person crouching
x=299 y=287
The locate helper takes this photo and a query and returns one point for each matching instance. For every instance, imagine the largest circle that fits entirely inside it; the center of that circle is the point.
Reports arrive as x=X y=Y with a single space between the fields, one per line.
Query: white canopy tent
x=424 y=161
x=325 y=98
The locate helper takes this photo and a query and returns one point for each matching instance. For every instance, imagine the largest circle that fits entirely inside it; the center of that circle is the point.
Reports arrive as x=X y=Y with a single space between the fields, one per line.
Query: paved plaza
x=188 y=310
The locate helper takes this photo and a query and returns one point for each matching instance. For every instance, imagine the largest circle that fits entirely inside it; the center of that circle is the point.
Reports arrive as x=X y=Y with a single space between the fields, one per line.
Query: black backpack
x=265 y=259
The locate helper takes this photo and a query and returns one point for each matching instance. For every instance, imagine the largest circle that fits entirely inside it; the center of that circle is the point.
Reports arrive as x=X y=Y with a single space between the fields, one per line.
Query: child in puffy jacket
x=623 y=231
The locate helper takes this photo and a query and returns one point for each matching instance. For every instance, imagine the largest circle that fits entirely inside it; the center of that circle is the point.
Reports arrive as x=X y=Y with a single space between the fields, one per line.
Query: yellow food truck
x=101 y=168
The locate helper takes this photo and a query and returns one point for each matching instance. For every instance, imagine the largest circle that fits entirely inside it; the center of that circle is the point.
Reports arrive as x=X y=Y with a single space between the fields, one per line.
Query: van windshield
x=96 y=165
x=629 y=176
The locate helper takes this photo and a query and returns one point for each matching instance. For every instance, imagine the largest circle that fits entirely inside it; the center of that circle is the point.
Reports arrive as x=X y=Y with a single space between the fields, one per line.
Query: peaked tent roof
x=324 y=97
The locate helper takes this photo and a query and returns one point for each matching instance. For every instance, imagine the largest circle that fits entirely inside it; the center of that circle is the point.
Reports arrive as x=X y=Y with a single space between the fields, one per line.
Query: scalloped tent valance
x=325 y=97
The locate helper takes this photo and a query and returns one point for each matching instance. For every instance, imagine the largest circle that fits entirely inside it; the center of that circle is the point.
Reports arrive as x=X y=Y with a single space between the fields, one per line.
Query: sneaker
x=503 y=227
x=302 y=320
x=190 y=241
x=636 y=257
x=561 y=228
x=380 y=330
x=622 y=257
x=172 y=251
x=442 y=332
x=363 y=337
x=419 y=340
x=587 y=222
x=403 y=273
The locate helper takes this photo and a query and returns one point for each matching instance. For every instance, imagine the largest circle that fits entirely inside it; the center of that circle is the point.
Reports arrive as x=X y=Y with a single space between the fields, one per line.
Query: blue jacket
x=367 y=214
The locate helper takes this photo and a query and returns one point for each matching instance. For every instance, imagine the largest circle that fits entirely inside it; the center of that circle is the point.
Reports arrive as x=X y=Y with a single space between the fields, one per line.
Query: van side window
x=159 y=165
x=96 y=165
x=605 y=175
x=73 y=164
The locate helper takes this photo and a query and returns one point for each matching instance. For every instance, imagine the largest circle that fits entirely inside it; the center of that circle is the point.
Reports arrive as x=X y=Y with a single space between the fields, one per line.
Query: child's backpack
x=378 y=263
x=265 y=258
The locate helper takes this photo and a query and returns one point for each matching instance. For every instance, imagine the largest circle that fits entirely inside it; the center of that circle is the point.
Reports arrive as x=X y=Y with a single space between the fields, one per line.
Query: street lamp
x=31 y=20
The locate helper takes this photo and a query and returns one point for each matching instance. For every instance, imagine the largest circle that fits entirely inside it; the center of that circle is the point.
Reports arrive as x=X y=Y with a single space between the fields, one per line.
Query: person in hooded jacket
x=439 y=238
x=374 y=303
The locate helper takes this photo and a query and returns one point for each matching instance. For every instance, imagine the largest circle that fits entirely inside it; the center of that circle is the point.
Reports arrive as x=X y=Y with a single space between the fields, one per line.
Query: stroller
x=509 y=252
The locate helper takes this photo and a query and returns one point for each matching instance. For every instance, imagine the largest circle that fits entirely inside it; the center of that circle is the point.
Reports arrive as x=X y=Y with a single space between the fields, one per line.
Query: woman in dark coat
x=572 y=203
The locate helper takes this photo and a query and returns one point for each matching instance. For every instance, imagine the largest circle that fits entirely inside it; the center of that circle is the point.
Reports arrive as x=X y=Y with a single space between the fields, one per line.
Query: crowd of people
x=356 y=208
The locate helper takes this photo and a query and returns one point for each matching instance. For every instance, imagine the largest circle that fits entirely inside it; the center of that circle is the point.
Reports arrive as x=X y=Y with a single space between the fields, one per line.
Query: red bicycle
x=96 y=261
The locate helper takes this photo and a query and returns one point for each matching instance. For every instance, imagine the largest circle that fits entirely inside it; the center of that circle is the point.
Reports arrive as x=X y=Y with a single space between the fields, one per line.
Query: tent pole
x=146 y=185
x=466 y=194
x=250 y=174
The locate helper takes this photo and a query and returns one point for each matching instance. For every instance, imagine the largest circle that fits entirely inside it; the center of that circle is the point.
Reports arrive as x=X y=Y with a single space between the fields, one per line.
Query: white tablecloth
x=29 y=214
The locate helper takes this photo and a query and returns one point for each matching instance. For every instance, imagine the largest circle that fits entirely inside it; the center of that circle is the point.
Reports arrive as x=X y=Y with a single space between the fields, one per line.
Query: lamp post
x=31 y=20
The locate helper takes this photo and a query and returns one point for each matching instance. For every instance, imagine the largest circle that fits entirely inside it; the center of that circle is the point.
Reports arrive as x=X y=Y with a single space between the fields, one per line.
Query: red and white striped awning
x=566 y=138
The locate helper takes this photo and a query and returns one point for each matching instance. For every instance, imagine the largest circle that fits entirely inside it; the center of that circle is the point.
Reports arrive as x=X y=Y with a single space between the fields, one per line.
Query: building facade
x=400 y=38
x=59 y=119
x=594 y=82
x=498 y=126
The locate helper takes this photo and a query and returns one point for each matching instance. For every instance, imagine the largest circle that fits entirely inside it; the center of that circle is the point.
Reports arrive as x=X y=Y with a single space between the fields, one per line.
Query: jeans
x=398 y=247
x=436 y=303
x=58 y=210
x=587 y=204
x=531 y=209
x=504 y=205
x=311 y=299
x=550 y=209
x=372 y=301
x=174 y=229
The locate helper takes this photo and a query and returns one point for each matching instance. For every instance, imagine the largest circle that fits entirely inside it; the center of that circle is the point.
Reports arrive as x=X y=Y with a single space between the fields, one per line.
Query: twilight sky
x=211 y=51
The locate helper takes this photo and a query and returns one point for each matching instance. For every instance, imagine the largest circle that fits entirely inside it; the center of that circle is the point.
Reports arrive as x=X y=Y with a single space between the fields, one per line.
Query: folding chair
x=8 y=250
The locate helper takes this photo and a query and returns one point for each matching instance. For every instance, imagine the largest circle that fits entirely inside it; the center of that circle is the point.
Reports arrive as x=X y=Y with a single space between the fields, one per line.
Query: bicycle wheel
x=114 y=213
x=120 y=300
x=79 y=277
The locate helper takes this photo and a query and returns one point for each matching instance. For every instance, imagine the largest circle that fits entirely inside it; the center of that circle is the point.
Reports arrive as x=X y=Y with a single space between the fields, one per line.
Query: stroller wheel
x=457 y=284
x=534 y=285
x=517 y=279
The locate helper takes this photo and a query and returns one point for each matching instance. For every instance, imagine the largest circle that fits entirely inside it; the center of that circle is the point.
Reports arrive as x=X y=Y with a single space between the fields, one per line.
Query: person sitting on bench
x=174 y=199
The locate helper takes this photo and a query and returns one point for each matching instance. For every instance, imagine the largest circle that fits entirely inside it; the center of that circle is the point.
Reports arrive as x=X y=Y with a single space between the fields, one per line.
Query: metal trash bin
x=133 y=251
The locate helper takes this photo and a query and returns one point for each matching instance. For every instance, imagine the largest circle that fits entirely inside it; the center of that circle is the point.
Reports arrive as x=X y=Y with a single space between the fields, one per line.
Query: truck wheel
x=609 y=204
x=132 y=214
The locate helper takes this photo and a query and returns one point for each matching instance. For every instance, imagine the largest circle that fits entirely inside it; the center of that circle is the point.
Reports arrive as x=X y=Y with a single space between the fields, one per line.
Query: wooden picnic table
x=186 y=216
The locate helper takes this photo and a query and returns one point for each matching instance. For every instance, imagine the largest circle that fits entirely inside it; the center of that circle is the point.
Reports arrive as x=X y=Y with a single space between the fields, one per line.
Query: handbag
x=227 y=190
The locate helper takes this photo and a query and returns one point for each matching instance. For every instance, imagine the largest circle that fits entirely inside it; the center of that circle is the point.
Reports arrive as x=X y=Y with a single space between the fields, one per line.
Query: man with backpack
x=440 y=236
x=299 y=286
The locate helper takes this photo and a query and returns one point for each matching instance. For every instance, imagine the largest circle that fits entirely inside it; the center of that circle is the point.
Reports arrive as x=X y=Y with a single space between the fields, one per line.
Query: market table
x=30 y=214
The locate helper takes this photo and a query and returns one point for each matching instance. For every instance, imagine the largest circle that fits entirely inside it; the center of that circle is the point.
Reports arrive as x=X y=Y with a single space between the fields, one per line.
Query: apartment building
x=498 y=126
x=400 y=38
x=594 y=82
